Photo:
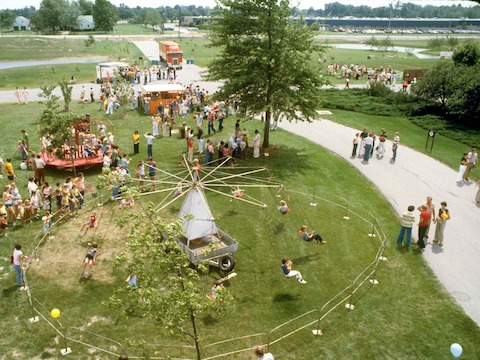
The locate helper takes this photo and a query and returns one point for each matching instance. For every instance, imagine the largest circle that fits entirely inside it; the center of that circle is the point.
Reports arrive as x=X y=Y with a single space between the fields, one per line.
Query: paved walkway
x=409 y=181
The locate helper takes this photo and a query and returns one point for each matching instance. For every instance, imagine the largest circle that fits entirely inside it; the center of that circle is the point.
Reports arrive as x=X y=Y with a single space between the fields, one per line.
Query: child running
x=92 y=222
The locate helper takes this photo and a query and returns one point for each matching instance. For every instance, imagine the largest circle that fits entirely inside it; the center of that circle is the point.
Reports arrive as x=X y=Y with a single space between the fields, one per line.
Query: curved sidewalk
x=408 y=181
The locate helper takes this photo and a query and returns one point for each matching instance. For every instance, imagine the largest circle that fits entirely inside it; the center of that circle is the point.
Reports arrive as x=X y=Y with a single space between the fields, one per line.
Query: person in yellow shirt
x=9 y=170
x=136 y=142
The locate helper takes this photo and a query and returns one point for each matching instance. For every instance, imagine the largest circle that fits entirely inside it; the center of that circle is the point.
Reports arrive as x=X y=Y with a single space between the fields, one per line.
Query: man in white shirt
x=40 y=170
x=150 y=139
x=368 y=148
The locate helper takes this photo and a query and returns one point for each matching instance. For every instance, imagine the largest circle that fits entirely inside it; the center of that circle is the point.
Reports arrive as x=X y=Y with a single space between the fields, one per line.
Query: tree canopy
x=7 y=18
x=455 y=84
x=168 y=289
x=105 y=15
x=49 y=16
x=265 y=61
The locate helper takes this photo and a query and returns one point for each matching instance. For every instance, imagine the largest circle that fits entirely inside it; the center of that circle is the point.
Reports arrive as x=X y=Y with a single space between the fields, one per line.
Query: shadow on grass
x=307 y=258
x=292 y=162
x=417 y=251
x=402 y=249
x=231 y=212
x=209 y=320
x=285 y=297
x=10 y=290
x=279 y=228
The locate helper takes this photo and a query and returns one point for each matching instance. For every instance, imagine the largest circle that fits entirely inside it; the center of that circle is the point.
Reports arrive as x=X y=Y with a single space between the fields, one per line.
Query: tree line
x=48 y=13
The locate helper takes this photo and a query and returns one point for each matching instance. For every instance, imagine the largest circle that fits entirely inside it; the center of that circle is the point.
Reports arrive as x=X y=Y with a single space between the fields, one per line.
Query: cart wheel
x=226 y=263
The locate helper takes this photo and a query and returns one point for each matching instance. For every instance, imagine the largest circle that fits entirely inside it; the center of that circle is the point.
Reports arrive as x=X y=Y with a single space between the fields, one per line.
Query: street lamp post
x=179 y=19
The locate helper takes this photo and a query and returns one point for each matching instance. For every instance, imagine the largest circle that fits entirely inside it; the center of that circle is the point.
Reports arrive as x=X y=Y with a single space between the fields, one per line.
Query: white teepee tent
x=199 y=221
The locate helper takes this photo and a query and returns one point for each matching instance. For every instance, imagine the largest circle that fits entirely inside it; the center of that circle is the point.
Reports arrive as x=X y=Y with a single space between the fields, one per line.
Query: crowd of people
x=384 y=75
x=365 y=141
x=22 y=207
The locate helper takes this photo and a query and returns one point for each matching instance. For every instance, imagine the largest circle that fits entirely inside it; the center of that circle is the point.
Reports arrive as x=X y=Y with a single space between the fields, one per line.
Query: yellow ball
x=444 y=216
x=55 y=313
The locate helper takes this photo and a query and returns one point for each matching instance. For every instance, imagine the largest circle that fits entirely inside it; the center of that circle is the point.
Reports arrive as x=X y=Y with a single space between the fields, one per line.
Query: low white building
x=85 y=22
x=21 y=23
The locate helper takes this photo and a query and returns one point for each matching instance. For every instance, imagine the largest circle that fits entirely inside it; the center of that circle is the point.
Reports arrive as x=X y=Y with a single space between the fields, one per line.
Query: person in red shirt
x=423 y=225
x=91 y=223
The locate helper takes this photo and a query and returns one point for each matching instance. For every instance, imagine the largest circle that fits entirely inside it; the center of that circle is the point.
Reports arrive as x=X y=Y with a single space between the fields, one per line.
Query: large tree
x=70 y=15
x=468 y=54
x=454 y=84
x=154 y=18
x=105 y=15
x=49 y=16
x=7 y=18
x=439 y=84
x=265 y=61
x=86 y=7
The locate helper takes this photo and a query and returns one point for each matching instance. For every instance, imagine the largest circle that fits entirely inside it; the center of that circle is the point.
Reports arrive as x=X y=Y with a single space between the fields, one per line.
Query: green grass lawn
x=47 y=49
x=408 y=315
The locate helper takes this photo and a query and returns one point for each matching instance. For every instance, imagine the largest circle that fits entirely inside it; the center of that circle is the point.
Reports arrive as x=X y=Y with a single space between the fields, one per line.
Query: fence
x=235 y=346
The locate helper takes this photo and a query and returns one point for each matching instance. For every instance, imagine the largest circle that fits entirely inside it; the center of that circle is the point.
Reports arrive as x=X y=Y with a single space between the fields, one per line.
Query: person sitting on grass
x=288 y=272
x=89 y=259
x=310 y=236
x=91 y=223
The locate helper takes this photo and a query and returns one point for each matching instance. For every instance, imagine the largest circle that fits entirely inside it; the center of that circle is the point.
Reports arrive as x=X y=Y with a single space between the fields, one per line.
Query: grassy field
x=407 y=316
x=35 y=48
x=47 y=49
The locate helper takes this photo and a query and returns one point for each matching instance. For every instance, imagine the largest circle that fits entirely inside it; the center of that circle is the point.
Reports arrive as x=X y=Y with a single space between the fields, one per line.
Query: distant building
x=85 y=22
x=194 y=19
x=21 y=23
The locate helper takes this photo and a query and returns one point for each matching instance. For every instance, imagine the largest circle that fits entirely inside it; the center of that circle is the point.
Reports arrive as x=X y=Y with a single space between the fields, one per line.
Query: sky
x=303 y=4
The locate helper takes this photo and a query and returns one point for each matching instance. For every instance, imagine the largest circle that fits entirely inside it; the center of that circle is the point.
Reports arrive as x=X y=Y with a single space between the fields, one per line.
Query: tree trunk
x=266 y=130
x=195 y=336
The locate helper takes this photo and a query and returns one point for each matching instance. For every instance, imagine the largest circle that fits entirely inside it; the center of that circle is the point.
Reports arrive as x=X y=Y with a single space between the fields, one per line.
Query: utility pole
x=179 y=19
x=390 y=17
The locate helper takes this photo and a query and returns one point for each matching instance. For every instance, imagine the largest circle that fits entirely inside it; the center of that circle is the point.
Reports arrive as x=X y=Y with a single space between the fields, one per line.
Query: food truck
x=160 y=94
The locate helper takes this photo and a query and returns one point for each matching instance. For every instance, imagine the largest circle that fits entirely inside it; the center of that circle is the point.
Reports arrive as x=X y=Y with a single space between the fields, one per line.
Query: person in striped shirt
x=408 y=218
